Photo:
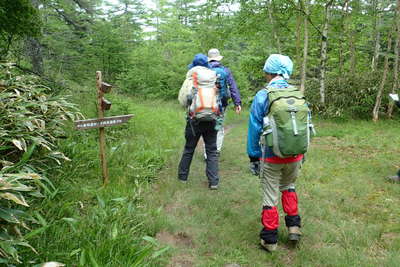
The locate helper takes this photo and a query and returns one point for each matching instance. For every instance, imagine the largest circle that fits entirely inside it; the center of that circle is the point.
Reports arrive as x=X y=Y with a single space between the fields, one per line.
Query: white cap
x=214 y=54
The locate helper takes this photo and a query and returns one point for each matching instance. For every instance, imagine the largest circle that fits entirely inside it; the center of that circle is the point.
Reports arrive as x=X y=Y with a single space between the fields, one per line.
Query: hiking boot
x=394 y=178
x=214 y=187
x=182 y=181
x=268 y=247
x=294 y=234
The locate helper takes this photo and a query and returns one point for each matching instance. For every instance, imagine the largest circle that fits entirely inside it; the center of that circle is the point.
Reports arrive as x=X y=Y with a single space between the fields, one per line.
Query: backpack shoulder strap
x=195 y=80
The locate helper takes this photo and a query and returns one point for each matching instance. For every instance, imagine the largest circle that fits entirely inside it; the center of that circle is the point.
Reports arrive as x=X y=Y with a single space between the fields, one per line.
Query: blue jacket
x=235 y=94
x=258 y=111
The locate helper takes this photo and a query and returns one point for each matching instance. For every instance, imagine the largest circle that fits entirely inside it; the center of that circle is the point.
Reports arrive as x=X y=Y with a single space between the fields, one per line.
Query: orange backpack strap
x=195 y=80
x=196 y=86
x=199 y=92
x=200 y=95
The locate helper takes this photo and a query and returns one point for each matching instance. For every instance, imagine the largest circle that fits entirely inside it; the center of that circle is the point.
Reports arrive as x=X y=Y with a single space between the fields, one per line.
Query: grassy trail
x=351 y=216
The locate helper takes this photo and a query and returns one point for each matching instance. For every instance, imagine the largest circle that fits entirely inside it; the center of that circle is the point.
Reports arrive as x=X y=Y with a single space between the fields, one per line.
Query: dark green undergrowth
x=83 y=223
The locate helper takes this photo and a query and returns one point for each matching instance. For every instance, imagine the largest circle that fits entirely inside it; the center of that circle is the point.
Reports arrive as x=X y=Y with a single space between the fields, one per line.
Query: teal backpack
x=287 y=125
x=222 y=80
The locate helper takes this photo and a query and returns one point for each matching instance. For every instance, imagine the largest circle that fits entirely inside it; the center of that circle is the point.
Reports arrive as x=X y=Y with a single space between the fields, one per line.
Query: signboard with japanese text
x=104 y=122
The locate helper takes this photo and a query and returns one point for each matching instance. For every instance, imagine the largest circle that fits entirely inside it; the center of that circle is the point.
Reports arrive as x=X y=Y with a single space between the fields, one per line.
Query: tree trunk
x=34 y=49
x=396 y=60
x=305 y=48
x=341 y=41
x=375 y=113
x=377 y=46
x=324 y=46
x=377 y=36
x=298 y=39
x=352 y=46
x=272 y=23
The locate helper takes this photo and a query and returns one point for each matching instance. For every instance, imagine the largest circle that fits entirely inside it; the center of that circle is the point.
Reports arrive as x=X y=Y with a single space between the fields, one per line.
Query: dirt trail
x=191 y=230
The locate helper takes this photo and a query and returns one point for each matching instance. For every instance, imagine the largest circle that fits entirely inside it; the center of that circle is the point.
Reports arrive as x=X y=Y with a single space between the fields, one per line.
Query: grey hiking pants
x=194 y=130
x=278 y=177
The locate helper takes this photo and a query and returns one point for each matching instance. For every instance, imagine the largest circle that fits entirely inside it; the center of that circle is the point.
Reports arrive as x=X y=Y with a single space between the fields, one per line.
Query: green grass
x=144 y=217
x=85 y=224
x=350 y=213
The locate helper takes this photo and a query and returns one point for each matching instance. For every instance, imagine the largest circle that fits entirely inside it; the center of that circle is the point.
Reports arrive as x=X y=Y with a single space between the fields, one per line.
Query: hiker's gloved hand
x=254 y=166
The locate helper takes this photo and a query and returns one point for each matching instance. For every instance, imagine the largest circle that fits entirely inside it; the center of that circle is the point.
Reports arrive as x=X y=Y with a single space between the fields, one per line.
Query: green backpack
x=287 y=126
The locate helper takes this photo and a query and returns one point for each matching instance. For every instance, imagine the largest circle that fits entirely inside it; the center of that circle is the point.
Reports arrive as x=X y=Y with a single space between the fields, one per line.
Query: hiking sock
x=269 y=236
x=289 y=204
x=291 y=221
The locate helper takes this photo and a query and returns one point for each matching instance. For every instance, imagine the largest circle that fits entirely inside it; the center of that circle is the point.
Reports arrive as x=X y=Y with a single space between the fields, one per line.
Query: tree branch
x=84 y=5
x=301 y=10
x=69 y=21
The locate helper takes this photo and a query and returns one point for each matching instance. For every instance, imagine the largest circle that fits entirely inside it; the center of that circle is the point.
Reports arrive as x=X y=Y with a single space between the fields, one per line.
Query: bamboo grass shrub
x=32 y=120
x=347 y=96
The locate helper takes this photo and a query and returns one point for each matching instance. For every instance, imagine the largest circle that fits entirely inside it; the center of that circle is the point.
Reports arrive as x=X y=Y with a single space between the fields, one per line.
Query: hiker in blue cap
x=282 y=66
x=199 y=60
x=199 y=96
x=279 y=121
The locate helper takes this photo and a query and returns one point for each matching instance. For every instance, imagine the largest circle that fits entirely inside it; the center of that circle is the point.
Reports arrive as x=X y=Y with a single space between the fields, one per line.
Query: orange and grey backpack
x=204 y=105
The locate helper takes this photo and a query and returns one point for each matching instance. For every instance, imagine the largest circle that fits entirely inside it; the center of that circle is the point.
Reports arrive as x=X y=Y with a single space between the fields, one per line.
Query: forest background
x=345 y=52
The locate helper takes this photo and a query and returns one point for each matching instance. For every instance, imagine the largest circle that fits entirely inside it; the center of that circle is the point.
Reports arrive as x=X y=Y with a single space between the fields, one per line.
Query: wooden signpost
x=101 y=121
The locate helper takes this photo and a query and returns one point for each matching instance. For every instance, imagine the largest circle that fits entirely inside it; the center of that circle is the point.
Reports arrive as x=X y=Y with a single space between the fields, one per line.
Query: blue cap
x=199 y=60
x=279 y=64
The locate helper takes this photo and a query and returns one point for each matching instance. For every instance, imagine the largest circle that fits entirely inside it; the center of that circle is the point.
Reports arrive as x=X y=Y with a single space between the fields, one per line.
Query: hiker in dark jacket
x=278 y=174
x=214 y=58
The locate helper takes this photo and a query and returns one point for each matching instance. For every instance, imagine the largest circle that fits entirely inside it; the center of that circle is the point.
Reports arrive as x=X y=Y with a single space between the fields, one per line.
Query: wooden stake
x=102 y=134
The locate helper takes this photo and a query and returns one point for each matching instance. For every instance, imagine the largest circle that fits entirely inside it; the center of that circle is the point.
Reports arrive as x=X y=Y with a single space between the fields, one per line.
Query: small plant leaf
x=52 y=264
x=17 y=143
x=17 y=199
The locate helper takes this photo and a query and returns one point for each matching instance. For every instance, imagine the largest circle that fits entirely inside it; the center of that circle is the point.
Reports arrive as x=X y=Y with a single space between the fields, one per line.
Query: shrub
x=353 y=97
x=32 y=120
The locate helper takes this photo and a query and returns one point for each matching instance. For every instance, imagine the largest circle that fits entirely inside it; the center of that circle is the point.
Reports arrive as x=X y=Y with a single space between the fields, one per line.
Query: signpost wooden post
x=102 y=134
x=101 y=122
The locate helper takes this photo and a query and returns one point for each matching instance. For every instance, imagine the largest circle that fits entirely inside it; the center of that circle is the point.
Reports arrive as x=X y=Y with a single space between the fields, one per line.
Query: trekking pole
x=191 y=126
x=189 y=101
x=262 y=144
